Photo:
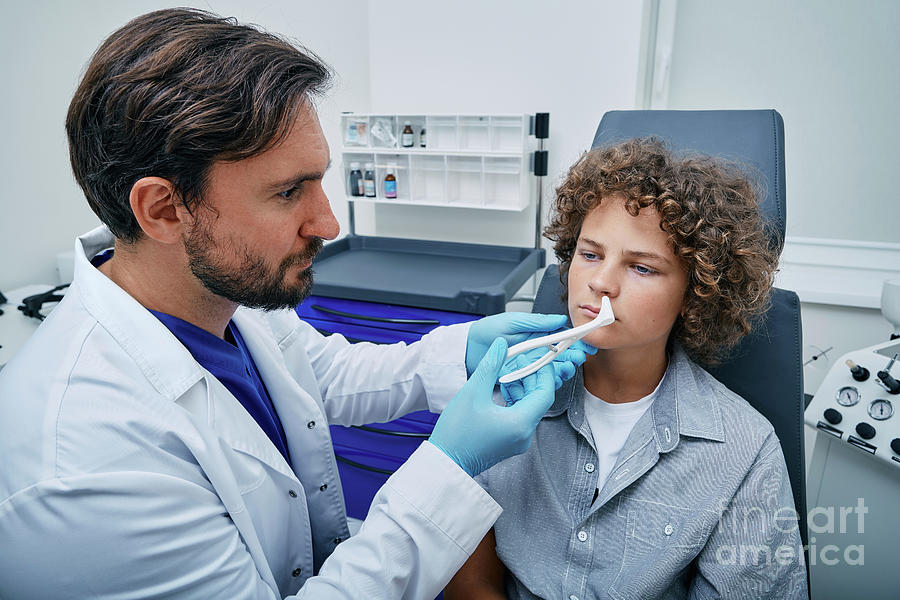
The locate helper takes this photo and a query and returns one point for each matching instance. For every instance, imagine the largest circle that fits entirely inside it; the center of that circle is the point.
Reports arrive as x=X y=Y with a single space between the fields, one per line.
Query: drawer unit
x=368 y=454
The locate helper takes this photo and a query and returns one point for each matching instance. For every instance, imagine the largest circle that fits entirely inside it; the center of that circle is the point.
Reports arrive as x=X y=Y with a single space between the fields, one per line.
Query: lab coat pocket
x=660 y=541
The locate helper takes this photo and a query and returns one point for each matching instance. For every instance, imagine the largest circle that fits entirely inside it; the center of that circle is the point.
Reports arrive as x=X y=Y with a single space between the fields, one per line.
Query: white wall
x=575 y=60
x=46 y=45
x=830 y=68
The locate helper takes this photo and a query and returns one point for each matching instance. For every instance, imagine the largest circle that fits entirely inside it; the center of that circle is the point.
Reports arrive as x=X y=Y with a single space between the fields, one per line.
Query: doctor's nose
x=320 y=220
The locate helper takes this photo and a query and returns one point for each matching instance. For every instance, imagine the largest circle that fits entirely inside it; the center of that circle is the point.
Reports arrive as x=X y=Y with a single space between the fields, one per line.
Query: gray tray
x=470 y=278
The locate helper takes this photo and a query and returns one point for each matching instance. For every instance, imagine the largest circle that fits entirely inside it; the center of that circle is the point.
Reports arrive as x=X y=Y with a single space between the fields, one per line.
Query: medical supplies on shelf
x=471 y=161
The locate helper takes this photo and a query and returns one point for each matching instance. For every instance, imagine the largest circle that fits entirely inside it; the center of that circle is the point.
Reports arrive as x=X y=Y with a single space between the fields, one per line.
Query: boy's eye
x=641 y=269
x=588 y=255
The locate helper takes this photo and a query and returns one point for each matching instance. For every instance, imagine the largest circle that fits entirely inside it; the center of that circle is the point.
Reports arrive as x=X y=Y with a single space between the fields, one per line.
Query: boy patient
x=648 y=478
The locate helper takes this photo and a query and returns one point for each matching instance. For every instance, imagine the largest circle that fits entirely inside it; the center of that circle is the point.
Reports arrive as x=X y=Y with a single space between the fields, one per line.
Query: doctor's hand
x=475 y=432
x=564 y=366
x=515 y=327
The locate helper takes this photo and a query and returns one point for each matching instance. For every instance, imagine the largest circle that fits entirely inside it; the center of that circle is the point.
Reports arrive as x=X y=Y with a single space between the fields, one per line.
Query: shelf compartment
x=383 y=132
x=355 y=131
x=474 y=133
x=354 y=157
x=442 y=132
x=507 y=133
x=465 y=180
x=417 y=122
x=503 y=190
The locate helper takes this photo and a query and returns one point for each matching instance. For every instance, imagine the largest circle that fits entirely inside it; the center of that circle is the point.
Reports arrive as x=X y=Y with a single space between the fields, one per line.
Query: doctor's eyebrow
x=638 y=254
x=296 y=180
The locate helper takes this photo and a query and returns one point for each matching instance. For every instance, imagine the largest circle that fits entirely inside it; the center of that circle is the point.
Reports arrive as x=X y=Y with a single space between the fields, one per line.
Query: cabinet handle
x=389 y=432
x=353 y=463
x=339 y=313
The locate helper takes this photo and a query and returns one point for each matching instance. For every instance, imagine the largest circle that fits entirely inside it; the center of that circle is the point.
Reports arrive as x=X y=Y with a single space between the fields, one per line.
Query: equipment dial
x=881 y=409
x=848 y=396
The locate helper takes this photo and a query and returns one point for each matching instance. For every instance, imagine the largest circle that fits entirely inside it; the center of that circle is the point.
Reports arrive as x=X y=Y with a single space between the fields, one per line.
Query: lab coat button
x=323 y=487
x=292 y=493
x=311 y=424
x=296 y=572
x=669 y=529
x=582 y=536
x=589 y=467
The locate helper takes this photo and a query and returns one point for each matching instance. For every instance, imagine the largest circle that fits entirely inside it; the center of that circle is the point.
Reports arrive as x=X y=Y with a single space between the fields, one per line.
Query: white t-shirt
x=610 y=425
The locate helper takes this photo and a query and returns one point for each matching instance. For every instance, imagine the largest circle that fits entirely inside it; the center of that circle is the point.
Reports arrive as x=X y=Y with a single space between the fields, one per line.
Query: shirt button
x=323 y=487
x=296 y=572
x=669 y=529
x=311 y=424
x=582 y=536
x=589 y=467
x=292 y=493
x=337 y=541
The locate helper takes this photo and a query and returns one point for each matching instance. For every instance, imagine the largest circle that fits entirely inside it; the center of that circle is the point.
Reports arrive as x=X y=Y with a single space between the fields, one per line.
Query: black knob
x=895 y=445
x=833 y=416
x=892 y=385
x=865 y=431
x=859 y=373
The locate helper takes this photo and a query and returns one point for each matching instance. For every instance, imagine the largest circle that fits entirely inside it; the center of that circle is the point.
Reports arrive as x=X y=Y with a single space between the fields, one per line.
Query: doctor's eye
x=290 y=193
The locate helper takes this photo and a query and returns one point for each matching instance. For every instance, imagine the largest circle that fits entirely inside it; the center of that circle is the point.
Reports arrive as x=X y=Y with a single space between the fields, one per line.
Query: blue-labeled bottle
x=390 y=184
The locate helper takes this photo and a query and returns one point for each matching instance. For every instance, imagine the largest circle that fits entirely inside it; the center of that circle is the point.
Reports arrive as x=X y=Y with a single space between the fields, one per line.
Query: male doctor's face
x=263 y=221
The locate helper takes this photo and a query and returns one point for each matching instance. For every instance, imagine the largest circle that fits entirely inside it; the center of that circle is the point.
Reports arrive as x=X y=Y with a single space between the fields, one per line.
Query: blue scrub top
x=230 y=362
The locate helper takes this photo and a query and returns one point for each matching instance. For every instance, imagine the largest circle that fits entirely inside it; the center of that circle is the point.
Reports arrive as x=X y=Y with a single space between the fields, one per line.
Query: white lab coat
x=129 y=471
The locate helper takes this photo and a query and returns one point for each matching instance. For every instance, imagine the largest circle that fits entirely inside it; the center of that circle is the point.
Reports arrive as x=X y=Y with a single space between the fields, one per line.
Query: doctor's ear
x=155 y=206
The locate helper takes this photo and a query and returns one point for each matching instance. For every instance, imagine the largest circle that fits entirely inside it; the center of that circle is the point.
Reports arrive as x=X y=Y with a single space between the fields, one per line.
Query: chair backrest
x=766 y=366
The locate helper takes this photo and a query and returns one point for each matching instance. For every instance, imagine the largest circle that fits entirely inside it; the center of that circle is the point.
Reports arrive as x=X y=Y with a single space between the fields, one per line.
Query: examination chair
x=766 y=366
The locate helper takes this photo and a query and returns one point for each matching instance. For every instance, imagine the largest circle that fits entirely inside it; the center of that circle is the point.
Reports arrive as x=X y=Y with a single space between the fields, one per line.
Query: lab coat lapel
x=294 y=405
x=239 y=430
x=202 y=401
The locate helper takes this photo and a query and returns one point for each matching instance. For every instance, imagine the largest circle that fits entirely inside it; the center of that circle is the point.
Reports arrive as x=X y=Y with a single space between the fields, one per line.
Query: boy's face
x=630 y=260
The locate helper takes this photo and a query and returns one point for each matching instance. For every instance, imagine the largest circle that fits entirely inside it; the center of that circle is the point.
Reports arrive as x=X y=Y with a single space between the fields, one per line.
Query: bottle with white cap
x=356 y=180
x=369 y=180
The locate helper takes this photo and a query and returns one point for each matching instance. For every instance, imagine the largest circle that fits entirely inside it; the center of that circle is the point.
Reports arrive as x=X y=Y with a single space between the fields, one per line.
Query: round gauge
x=881 y=409
x=848 y=396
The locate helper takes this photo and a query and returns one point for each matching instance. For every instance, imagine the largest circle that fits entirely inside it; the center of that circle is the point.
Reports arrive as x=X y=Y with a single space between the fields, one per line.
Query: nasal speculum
x=557 y=342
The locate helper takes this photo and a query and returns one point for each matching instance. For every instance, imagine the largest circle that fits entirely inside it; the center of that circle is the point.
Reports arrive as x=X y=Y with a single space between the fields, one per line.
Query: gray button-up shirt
x=698 y=505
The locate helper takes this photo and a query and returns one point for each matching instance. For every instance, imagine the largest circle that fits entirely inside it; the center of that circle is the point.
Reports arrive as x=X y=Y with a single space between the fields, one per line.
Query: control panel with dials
x=857 y=401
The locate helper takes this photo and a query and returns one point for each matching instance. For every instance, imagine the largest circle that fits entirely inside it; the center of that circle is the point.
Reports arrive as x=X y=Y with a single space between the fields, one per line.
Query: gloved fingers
x=563 y=371
x=584 y=347
x=535 y=322
x=539 y=398
x=488 y=370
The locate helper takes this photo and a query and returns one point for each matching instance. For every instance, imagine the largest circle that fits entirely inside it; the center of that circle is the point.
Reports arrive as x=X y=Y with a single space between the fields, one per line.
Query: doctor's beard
x=253 y=283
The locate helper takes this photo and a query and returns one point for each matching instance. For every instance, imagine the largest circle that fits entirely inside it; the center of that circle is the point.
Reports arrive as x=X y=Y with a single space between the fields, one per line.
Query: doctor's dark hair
x=174 y=91
x=710 y=211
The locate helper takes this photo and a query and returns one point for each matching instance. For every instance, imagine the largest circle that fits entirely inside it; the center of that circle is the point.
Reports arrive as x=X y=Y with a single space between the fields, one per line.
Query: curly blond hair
x=710 y=212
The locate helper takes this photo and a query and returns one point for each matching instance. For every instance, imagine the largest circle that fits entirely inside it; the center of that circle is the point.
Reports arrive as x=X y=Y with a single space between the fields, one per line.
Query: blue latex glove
x=514 y=327
x=476 y=433
x=564 y=367
x=517 y=327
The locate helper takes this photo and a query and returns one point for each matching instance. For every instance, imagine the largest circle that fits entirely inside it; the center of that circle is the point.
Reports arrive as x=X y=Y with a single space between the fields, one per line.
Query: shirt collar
x=684 y=405
x=166 y=363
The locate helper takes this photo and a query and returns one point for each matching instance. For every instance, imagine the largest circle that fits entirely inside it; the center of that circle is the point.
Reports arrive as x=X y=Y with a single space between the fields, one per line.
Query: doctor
x=164 y=433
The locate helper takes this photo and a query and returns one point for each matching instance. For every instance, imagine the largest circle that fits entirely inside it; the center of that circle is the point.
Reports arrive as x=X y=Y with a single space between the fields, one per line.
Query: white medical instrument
x=557 y=342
